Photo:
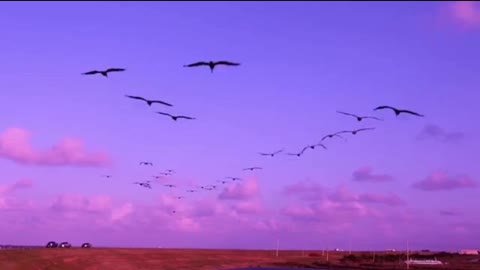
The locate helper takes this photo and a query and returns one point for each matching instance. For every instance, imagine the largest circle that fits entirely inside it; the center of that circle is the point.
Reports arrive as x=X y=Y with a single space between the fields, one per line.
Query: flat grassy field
x=173 y=259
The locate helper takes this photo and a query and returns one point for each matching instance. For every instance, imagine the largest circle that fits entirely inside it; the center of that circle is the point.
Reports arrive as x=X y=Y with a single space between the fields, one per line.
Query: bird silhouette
x=175 y=117
x=252 y=168
x=300 y=153
x=191 y=190
x=318 y=144
x=165 y=173
x=170 y=186
x=329 y=136
x=222 y=181
x=170 y=171
x=180 y=197
x=157 y=176
x=233 y=178
x=146 y=163
x=103 y=72
x=210 y=187
x=360 y=118
x=354 y=132
x=397 y=111
x=212 y=64
x=144 y=184
x=107 y=176
x=271 y=154
x=150 y=102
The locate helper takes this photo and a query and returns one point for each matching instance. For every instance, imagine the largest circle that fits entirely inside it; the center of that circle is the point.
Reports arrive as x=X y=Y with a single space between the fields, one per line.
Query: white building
x=468 y=252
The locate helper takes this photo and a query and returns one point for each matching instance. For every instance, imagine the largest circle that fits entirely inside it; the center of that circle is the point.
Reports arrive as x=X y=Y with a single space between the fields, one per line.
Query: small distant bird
x=318 y=144
x=233 y=178
x=165 y=173
x=170 y=171
x=252 y=168
x=360 y=118
x=210 y=187
x=144 y=184
x=157 y=176
x=170 y=186
x=298 y=154
x=397 y=111
x=354 y=132
x=330 y=136
x=150 y=102
x=175 y=117
x=271 y=154
x=173 y=211
x=107 y=176
x=103 y=72
x=222 y=181
x=146 y=163
x=180 y=197
x=191 y=190
x=212 y=64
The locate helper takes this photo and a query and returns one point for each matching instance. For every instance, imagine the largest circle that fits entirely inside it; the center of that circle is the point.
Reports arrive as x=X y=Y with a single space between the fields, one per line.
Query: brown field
x=172 y=259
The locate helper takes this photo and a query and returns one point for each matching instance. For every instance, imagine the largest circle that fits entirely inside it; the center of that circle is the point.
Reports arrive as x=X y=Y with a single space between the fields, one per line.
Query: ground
x=176 y=259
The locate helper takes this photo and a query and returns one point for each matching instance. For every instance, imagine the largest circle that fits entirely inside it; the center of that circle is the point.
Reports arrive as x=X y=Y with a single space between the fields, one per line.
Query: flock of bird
x=212 y=64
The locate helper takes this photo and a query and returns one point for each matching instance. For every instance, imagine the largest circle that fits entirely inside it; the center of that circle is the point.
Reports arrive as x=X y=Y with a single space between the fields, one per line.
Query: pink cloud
x=365 y=174
x=76 y=202
x=437 y=133
x=21 y=184
x=465 y=14
x=451 y=213
x=305 y=190
x=440 y=180
x=241 y=191
x=390 y=199
x=15 y=145
x=6 y=192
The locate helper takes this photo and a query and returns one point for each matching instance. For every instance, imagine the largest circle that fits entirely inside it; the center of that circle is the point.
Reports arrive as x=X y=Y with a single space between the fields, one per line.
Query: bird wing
x=91 y=72
x=114 y=70
x=165 y=114
x=362 y=129
x=347 y=113
x=185 y=117
x=226 y=63
x=320 y=144
x=279 y=151
x=135 y=97
x=372 y=117
x=264 y=154
x=161 y=102
x=384 y=107
x=411 y=112
x=201 y=63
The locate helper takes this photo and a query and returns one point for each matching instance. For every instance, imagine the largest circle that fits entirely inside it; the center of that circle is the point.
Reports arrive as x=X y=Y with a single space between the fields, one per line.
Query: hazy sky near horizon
x=411 y=178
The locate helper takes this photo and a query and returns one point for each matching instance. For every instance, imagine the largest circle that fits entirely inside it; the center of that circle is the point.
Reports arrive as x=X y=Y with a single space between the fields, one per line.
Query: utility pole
x=408 y=263
x=278 y=243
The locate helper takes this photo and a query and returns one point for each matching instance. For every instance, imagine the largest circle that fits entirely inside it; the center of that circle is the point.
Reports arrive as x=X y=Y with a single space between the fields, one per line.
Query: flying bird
x=170 y=171
x=233 y=178
x=252 y=168
x=170 y=186
x=180 y=197
x=354 y=132
x=222 y=181
x=331 y=136
x=397 y=111
x=103 y=72
x=212 y=64
x=165 y=173
x=191 y=190
x=271 y=154
x=107 y=176
x=318 y=144
x=360 y=118
x=157 y=176
x=146 y=163
x=175 y=117
x=150 y=102
x=298 y=154
x=210 y=187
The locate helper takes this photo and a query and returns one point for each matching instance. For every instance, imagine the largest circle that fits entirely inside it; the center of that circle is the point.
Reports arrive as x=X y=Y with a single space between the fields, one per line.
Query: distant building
x=468 y=252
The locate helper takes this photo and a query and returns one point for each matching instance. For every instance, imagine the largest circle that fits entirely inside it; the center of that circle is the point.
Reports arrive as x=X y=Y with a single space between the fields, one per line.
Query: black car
x=65 y=245
x=52 y=244
x=86 y=245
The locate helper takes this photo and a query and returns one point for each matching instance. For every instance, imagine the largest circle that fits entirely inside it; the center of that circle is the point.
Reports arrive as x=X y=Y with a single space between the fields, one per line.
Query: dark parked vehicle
x=65 y=245
x=52 y=244
x=86 y=245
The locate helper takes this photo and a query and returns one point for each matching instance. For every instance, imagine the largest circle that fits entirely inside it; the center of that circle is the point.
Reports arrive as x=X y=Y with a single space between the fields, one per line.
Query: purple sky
x=410 y=179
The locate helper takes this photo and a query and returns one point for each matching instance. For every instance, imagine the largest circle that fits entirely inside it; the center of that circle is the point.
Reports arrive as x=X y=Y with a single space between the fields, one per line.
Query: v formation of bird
x=211 y=65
